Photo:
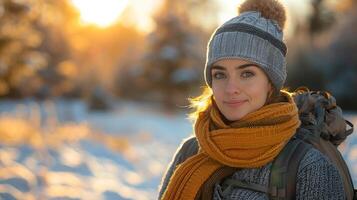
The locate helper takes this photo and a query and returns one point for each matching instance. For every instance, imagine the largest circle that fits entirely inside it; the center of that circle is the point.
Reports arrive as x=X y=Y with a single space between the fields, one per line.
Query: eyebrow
x=237 y=67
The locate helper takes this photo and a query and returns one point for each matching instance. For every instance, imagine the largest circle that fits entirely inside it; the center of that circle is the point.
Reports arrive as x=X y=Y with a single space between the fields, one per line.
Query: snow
x=88 y=169
x=92 y=167
x=349 y=150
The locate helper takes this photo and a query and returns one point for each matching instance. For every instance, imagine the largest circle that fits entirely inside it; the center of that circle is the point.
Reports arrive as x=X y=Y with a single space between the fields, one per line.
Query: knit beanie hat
x=254 y=35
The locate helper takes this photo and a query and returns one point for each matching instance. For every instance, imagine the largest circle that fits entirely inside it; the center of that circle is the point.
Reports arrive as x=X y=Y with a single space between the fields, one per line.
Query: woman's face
x=239 y=87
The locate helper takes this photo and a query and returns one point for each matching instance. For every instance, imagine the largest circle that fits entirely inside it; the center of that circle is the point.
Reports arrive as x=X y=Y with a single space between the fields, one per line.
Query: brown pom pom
x=270 y=9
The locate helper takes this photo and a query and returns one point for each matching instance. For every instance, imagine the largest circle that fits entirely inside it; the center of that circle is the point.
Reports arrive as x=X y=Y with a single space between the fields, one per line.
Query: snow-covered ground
x=77 y=158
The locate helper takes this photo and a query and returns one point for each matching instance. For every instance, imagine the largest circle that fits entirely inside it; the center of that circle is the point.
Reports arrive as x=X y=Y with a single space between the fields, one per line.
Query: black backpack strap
x=284 y=170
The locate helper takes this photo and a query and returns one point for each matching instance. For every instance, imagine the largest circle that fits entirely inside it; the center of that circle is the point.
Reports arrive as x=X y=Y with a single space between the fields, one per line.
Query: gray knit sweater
x=317 y=178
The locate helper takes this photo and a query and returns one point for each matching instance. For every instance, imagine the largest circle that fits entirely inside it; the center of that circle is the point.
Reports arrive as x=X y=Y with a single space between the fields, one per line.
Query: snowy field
x=60 y=150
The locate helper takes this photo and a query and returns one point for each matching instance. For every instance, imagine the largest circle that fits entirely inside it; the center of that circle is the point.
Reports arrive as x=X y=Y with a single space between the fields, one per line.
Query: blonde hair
x=200 y=103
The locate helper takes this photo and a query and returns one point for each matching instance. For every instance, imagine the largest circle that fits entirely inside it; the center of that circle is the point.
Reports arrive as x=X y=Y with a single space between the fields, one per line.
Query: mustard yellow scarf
x=251 y=142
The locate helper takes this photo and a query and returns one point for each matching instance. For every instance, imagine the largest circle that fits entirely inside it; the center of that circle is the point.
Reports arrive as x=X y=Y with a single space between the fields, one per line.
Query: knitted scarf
x=250 y=142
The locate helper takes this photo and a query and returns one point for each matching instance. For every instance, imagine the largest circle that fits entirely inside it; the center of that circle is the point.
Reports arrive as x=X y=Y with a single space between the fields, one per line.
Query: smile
x=235 y=103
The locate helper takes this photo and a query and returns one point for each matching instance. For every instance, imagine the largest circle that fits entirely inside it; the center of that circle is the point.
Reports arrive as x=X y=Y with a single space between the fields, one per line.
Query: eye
x=218 y=75
x=247 y=74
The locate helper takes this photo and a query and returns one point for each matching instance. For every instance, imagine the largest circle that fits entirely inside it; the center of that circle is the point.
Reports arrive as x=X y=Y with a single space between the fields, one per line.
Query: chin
x=234 y=117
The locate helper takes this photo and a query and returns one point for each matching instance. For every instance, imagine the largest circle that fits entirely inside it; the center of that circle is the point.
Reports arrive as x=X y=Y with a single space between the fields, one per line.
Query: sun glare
x=102 y=13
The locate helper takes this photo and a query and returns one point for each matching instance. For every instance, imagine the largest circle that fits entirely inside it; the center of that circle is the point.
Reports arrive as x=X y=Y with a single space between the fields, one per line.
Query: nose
x=232 y=86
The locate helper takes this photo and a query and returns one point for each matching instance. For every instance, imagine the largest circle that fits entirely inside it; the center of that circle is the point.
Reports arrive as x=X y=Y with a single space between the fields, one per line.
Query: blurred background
x=93 y=93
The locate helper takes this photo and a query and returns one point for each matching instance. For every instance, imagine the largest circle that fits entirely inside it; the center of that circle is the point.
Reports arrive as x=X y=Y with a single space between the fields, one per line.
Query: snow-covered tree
x=175 y=58
x=342 y=78
x=327 y=61
x=33 y=47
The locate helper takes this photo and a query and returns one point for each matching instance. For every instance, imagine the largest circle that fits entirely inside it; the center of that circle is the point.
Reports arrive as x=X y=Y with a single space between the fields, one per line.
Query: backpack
x=322 y=127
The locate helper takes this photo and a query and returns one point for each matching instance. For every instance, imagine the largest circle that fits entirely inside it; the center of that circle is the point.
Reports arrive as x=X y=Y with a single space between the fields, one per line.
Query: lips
x=235 y=103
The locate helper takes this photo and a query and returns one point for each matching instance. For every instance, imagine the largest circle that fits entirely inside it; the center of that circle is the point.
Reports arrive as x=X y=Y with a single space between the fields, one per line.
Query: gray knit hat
x=251 y=37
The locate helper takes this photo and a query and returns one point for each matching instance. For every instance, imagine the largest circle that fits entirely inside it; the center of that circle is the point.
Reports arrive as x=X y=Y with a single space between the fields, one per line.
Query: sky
x=106 y=12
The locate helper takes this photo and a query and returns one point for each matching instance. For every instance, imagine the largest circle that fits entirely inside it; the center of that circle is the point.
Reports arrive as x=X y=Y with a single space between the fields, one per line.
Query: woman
x=244 y=119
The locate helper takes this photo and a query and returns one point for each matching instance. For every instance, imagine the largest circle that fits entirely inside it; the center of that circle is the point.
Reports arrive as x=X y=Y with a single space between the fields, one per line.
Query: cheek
x=217 y=91
x=259 y=92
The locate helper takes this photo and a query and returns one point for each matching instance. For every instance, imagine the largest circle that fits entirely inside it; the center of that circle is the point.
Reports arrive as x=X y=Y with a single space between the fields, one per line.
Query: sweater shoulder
x=188 y=148
x=314 y=157
x=318 y=178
